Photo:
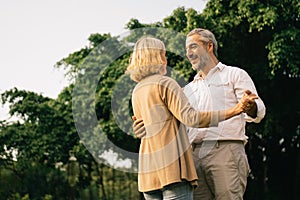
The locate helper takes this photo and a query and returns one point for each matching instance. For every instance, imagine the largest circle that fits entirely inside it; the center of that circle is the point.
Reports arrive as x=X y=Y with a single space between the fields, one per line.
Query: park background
x=43 y=156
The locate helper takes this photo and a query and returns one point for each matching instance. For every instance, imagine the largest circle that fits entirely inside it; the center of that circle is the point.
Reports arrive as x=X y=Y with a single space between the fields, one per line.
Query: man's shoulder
x=230 y=70
x=235 y=73
x=230 y=67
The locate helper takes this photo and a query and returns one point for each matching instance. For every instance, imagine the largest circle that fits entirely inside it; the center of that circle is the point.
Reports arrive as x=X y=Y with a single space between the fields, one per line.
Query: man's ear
x=210 y=47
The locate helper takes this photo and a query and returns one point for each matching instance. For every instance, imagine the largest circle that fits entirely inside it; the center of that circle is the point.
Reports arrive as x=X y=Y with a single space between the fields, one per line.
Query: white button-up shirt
x=221 y=89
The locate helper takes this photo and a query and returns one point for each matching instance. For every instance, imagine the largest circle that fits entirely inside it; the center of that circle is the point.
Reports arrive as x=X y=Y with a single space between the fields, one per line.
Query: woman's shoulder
x=163 y=78
x=159 y=80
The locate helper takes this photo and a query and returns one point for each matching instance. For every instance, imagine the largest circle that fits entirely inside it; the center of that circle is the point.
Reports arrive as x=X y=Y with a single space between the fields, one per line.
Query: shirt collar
x=201 y=75
x=220 y=66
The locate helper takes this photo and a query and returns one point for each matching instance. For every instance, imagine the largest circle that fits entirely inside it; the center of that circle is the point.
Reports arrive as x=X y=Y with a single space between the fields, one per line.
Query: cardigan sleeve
x=177 y=103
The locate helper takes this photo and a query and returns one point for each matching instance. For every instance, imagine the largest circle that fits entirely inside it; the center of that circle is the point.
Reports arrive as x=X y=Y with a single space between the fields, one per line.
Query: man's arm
x=255 y=111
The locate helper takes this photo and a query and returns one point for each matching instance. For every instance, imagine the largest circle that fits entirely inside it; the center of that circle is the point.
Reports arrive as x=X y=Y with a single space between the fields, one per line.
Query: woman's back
x=165 y=154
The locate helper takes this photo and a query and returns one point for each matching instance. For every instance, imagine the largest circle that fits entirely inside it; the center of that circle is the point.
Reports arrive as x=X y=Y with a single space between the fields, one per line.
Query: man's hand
x=248 y=102
x=138 y=127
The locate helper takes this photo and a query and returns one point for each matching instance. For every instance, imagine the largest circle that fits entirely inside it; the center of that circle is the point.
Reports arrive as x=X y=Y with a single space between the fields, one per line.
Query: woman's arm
x=178 y=104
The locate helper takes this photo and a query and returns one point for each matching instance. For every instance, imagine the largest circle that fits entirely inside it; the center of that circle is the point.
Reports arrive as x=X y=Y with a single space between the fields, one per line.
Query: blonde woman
x=166 y=167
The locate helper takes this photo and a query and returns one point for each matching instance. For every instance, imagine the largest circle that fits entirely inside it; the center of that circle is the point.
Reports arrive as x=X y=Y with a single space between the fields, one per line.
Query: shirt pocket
x=218 y=84
x=222 y=95
x=219 y=89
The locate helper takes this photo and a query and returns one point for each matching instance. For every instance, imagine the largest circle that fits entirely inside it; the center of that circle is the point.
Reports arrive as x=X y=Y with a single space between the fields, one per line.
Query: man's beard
x=202 y=62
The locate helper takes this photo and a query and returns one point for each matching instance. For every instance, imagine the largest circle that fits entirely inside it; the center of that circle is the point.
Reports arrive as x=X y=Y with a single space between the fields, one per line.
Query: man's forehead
x=190 y=39
x=195 y=39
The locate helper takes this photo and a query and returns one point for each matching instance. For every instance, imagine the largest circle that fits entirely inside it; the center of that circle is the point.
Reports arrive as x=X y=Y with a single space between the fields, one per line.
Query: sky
x=35 y=34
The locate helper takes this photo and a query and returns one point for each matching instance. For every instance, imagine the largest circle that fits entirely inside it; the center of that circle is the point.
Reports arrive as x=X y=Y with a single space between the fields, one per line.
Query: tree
x=43 y=136
x=47 y=129
x=261 y=37
x=92 y=114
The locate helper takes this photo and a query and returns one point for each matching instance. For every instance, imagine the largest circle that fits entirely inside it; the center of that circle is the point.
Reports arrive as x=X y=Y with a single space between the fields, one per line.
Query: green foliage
x=258 y=14
x=264 y=31
x=177 y=21
x=59 y=141
x=45 y=131
x=283 y=52
x=262 y=38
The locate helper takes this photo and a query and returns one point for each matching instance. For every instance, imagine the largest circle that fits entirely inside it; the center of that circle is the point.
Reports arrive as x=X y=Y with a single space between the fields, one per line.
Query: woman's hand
x=246 y=104
x=248 y=101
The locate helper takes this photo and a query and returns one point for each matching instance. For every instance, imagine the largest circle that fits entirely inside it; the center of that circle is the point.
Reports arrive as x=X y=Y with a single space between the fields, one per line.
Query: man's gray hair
x=206 y=36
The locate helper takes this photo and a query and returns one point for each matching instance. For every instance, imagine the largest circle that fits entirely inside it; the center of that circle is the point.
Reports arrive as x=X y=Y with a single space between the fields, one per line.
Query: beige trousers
x=222 y=168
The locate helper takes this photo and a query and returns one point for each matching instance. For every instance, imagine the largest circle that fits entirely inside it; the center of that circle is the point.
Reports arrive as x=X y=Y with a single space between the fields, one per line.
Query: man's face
x=196 y=52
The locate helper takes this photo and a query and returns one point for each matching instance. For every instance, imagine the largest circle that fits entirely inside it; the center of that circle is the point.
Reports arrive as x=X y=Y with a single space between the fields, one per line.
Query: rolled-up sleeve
x=261 y=111
x=244 y=82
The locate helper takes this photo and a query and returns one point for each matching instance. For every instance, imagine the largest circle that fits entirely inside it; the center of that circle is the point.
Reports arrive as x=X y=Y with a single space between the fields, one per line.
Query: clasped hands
x=247 y=103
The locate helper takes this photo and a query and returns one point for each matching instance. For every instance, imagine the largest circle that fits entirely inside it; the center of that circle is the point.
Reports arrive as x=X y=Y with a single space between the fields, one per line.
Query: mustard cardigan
x=165 y=155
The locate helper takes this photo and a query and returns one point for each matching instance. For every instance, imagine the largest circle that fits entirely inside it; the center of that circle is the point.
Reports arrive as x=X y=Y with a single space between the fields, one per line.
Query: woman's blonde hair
x=147 y=58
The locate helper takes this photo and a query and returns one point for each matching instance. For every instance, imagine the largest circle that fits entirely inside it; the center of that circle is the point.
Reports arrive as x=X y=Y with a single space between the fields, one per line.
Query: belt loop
x=217 y=144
